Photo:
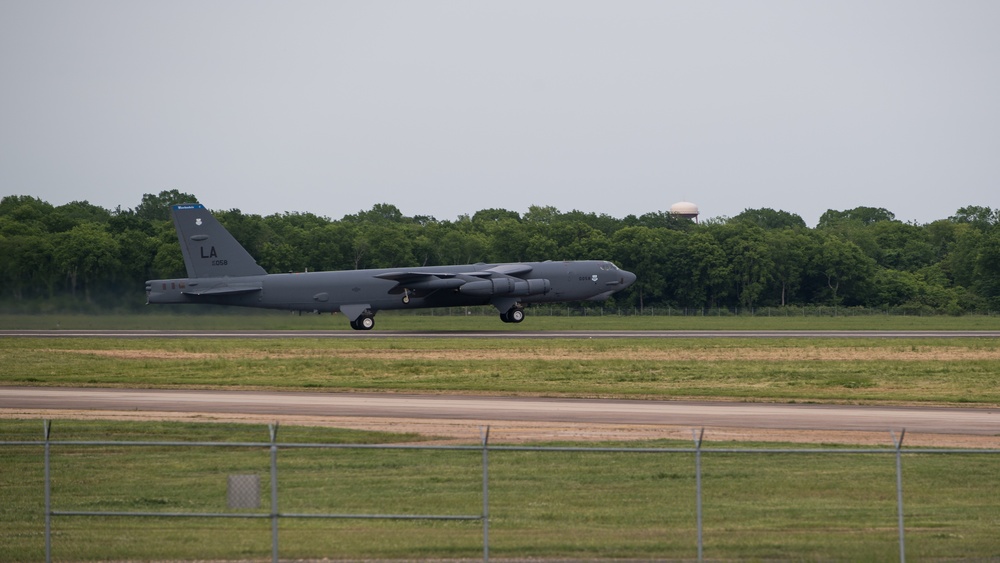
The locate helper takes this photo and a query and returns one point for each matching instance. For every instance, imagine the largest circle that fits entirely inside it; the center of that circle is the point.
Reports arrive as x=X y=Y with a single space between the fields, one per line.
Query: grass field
x=960 y=371
x=568 y=505
x=562 y=505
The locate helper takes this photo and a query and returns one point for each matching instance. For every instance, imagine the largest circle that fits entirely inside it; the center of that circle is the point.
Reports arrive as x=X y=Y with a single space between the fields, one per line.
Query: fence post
x=697 y=486
x=47 y=430
x=899 y=492
x=484 y=435
x=273 y=430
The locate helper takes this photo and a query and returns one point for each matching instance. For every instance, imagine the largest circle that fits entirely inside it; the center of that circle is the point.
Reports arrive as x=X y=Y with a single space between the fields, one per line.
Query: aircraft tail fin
x=209 y=250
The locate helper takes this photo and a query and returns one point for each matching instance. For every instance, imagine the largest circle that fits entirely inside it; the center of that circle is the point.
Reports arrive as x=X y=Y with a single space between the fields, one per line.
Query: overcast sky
x=447 y=108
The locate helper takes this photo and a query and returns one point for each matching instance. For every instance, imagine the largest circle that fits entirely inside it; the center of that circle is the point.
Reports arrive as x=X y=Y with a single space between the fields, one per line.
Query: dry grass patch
x=797 y=353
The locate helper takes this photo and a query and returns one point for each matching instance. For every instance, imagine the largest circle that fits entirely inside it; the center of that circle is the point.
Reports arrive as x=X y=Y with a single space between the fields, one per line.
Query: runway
x=982 y=422
x=501 y=334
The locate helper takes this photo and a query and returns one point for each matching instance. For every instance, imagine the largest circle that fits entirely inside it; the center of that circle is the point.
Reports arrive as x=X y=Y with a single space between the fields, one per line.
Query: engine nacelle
x=532 y=287
x=506 y=286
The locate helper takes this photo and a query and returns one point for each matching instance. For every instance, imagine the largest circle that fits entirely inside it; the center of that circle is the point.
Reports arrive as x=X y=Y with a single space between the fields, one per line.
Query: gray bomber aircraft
x=221 y=271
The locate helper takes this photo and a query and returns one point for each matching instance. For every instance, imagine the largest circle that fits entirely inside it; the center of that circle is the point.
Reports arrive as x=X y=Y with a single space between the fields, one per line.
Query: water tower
x=685 y=209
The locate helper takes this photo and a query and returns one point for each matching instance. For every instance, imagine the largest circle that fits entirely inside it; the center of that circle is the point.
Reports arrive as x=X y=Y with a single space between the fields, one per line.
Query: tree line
x=80 y=256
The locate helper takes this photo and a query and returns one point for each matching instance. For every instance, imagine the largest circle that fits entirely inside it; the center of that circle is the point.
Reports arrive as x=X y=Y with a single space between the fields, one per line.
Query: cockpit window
x=608 y=266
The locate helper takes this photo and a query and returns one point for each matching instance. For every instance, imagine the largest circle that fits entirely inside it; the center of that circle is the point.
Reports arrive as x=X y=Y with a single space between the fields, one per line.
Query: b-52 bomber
x=221 y=271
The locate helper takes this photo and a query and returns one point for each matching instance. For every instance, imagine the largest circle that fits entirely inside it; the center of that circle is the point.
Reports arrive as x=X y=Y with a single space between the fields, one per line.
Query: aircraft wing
x=403 y=276
x=432 y=281
x=509 y=269
x=223 y=290
x=424 y=281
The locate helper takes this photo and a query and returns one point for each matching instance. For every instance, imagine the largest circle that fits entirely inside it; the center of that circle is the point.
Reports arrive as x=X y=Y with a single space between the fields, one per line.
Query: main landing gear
x=513 y=315
x=365 y=322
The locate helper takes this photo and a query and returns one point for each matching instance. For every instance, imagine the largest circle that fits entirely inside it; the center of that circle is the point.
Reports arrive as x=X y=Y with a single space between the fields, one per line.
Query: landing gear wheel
x=364 y=322
x=513 y=315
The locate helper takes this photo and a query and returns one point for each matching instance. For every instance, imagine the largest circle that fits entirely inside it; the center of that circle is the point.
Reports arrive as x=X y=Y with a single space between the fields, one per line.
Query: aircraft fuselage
x=221 y=271
x=327 y=292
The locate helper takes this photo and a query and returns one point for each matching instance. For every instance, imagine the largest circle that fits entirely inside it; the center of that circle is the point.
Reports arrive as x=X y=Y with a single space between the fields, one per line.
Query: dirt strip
x=447 y=431
x=795 y=353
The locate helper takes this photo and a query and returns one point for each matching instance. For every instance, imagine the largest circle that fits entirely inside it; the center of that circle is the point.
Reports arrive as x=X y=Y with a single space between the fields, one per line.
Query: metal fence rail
x=274 y=514
x=698 y=451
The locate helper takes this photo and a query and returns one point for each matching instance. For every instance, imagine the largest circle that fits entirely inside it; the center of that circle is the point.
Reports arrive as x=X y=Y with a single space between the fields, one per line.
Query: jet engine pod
x=484 y=287
x=506 y=286
x=531 y=287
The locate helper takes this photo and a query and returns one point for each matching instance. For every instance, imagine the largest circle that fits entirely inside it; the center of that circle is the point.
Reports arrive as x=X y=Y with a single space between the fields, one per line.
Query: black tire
x=515 y=315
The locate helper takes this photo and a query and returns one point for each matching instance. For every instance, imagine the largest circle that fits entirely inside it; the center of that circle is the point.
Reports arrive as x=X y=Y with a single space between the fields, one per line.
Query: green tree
x=860 y=215
x=603 y=222
x=749 y=258
x=464 y=245
x=902 y=246
x=251 y=231
x=978 y=216
x=789 y=251
x=495 y=216
x=767 y=218
x=277 y=256
x=157 y=207
x=136 y=252
x=379 y=213
x=641 y=250
x=942 y=235
x=508 y=241
x=664 y=220
x=25 y=215
x=83 y=254
x=65 y=217
x=894 y=288
x=960 y=263
x=574 y=240
x=987 y=269
x=382 y=246
x=327 y=247
x=28 y=268
x=542 y=214
x=167 y=260
x=698 y=271
x=845 y=269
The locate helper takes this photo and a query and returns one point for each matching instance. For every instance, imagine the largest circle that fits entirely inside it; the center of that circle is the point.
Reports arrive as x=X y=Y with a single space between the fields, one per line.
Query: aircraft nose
x=628 y=278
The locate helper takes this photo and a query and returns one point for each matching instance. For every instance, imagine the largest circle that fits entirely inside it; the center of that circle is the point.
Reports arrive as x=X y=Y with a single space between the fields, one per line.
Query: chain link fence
x=267 y=484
